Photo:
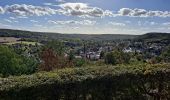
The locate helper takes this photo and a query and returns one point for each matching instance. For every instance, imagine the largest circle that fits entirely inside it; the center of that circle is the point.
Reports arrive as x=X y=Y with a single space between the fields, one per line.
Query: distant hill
x=154 y=36
x=49 y=36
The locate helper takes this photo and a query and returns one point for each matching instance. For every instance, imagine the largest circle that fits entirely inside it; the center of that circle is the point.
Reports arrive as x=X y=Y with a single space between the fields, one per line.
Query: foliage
x=166 y=54
x=13 y=64
x=50 y=60
x=79 y=62
x=140 y=82
x=110 y=58
x=102 y=54
x=117 y=57
x=57 y=46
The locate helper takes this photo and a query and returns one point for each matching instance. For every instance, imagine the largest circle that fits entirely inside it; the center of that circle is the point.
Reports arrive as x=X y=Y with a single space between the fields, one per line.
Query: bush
x=110 y=58
x=79 y=62
x=117 y=57
x=13 y=64
x=166 y=55
x=92 y=83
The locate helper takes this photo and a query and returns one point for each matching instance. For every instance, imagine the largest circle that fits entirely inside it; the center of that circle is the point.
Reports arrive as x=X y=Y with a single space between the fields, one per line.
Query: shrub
x=14 y=64
x=79 y=62
x=110 y=58
x=92 y=83
x=117 y=57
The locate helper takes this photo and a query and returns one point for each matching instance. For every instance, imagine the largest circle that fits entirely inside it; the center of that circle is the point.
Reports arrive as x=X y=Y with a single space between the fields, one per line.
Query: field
x=8 y=39
x=23 y=42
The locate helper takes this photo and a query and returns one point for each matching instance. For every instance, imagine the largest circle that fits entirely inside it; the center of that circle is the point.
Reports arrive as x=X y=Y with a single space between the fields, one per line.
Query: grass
x=23 y=42
x=8 y=39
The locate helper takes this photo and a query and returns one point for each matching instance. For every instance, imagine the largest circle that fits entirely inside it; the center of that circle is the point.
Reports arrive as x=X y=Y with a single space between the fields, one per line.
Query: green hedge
x=140 y=82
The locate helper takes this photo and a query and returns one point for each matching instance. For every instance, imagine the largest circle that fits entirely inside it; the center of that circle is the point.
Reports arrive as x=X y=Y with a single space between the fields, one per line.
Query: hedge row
x=91 y=83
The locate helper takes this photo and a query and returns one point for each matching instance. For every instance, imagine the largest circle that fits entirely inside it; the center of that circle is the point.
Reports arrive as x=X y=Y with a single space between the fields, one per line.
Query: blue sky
x=86 y=16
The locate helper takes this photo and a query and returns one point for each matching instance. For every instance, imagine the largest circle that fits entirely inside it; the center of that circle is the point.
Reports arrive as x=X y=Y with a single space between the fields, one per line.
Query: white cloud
x=117 y=24
x=47 y=4
x=142 y=13
x=70 y=9
x=11 y=21
x=34 y=21
x=4 y=25
x=60 y=1
x=153 y=23
x=77 y=9
x=22 y=17
x=7 y=20
x=124 y=11
x=40 y=26
x=139 y=23
x=146 y=23
x=29 y=10
x=13 y=18
x=128 y=22
x=15 y=21
x=166 y=24
x=73 y=22
x=82 y=10
x=37 y=25
x=1 y=10
x=76 y=28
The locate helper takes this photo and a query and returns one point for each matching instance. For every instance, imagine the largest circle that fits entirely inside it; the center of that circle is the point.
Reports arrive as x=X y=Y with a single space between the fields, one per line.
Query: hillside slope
x=154 y=36
x=45 y=35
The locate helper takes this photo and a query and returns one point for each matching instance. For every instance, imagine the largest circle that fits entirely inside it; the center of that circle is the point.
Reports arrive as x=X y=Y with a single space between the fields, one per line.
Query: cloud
x=37 y=25
x=11 y=21
x=166 y=24
x=60 y=1
x=77 y=9
x=4 y=25
x=1 y=10
x=139 y=23
x=117 y=24
x=34 y=21
x=153 y=23
x=82 y=10
x=142 y=13
x=128 y=22
x=40 y=26
x=29 y=10
x=22 y=17
x=7 y=20
x=47 y=4
x=13 y=18
x=146 y=23
x=73 y=22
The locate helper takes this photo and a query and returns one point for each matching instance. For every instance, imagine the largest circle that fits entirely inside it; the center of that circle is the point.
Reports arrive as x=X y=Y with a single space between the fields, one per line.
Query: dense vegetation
x=140 y=82
x=43 y=36
x=12 y=63
x=62 y=67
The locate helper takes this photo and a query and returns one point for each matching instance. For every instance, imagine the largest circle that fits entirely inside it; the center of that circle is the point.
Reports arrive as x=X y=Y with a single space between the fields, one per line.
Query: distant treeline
x=51 y=36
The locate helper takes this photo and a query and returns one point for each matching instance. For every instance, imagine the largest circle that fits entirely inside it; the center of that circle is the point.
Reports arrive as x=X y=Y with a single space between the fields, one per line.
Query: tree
x=117 y=57
x=14 y=64
x=52 y=56
x=166 y=55
x=102 y=55
x=110 y=58
x=49 y=60
x=57 y=46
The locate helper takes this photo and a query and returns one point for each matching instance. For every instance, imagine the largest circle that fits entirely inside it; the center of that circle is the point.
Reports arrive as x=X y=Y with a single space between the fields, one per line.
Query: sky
x=86 y=16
